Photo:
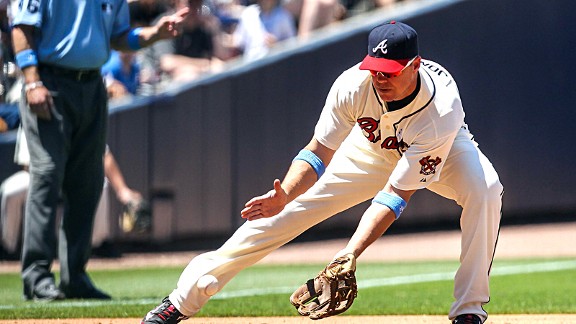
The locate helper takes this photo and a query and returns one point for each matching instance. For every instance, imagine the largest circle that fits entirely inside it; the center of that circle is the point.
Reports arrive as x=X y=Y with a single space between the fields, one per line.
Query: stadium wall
x=200 y=150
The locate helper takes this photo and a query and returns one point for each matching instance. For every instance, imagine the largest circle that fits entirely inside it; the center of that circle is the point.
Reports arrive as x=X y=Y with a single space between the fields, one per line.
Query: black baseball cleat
x=164 y=313
x=467 y=319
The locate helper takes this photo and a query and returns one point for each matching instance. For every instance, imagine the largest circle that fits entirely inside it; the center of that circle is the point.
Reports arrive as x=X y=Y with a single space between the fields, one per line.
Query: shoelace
x=168 y=312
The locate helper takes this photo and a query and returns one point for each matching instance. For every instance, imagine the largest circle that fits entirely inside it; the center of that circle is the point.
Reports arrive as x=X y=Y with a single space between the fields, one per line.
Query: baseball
x=208 y=284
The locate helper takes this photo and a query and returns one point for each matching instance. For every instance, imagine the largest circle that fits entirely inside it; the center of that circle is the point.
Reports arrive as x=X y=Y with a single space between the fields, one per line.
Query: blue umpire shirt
x=74 y=33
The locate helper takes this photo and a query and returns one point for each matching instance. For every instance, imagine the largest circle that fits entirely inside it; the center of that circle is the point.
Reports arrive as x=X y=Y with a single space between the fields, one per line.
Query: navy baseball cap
x=390 y=47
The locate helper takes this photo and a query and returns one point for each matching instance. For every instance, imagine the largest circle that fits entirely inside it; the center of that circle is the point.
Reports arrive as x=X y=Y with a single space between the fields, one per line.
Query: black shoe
x=46 y=290
x=90 y=293
x=467 y=319
x=164 y=313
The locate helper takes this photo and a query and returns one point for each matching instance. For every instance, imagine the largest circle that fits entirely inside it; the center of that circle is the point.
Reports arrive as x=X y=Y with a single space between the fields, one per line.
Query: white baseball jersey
x=416 y=139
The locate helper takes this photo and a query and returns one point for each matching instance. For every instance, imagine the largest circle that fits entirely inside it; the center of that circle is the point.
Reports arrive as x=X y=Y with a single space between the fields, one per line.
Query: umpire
x=60 y=46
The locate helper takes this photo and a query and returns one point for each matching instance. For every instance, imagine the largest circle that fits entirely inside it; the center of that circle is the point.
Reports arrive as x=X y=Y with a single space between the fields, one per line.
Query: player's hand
x=170 y=26
x=40 y=102
x=266 y=205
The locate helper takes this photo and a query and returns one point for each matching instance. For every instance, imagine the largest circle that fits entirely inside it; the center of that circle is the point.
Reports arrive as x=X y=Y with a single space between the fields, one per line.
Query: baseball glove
x=136 y=217
x=331 y=292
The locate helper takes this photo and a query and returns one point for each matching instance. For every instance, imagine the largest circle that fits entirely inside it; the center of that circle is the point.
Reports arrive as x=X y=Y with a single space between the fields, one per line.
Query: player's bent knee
x=208 y=285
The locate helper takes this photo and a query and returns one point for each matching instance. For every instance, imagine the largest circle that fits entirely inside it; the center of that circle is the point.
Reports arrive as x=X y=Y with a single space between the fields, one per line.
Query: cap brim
x=382 y=64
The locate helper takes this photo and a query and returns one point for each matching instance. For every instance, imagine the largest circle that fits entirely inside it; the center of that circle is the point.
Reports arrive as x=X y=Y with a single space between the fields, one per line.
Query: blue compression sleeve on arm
x=312 y=159
x=134 y=38
x=26 y=58
x=395 y=203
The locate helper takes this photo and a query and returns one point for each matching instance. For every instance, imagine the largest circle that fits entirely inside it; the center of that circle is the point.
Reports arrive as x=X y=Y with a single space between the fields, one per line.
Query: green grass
x=515 y=290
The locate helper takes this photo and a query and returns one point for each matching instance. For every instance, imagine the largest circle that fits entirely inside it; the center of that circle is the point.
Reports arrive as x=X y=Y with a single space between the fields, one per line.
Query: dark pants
x=66 y=168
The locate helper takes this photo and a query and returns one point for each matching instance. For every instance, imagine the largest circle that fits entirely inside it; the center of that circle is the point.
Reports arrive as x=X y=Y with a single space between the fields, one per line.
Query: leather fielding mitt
x=331 y=292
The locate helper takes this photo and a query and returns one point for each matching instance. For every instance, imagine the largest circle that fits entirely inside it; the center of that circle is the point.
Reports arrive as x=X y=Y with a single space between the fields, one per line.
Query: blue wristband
x=134 y=38
x=312 y=159
x=26 y=58
x=395 y=203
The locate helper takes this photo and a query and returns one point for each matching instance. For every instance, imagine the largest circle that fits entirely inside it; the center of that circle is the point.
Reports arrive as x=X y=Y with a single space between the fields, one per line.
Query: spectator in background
x=196 y=51
x=261 y=26
x=386 y=3
x=313 y=14
x=9 y=116
x=11 y=89
x=228 y=12
x=5 y=36
x=355 y=7
x=145 y=12
x=8 y=70
x=121 y=74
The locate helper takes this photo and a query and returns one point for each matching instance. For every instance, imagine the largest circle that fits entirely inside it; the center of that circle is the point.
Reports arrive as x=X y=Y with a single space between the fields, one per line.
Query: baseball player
x=391 y=125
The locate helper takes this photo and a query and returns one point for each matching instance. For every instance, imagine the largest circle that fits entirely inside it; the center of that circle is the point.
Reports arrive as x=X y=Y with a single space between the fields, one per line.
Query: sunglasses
x=392 y=75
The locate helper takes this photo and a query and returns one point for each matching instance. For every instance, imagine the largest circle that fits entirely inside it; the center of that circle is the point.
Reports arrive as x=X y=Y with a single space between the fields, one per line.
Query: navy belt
x=76 y=74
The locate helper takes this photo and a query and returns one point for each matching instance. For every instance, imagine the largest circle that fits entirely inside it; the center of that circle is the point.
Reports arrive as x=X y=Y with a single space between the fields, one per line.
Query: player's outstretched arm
x=299 y=178
x=376 y=220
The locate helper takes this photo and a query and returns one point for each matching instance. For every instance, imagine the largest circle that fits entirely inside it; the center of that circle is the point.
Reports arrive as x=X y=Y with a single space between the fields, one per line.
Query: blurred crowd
x=215 y=32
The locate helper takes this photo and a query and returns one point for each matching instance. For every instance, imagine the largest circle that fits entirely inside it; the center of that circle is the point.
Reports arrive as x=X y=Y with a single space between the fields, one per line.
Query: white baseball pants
x=467 y=178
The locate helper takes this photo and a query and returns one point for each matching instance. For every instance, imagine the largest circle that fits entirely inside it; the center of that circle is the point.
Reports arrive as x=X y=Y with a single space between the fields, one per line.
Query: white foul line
x=368 y=283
